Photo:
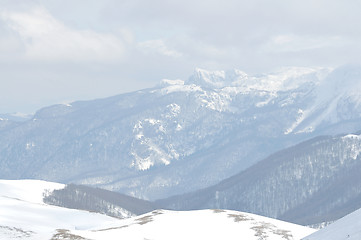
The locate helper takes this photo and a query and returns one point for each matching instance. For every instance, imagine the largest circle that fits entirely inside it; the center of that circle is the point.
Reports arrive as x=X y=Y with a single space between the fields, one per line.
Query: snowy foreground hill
x=348 y=227
x=181 y=135
x=23 y=215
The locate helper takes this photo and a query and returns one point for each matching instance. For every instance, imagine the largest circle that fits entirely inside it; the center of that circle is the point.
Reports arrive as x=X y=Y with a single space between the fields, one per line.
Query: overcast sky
x=58 y=51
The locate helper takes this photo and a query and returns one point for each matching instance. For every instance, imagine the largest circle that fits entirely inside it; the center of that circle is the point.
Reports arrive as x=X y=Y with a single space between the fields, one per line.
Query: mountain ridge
x=312 y=182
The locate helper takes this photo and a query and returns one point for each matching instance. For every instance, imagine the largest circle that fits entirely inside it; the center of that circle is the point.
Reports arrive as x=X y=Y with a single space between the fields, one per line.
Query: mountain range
x=181 y=136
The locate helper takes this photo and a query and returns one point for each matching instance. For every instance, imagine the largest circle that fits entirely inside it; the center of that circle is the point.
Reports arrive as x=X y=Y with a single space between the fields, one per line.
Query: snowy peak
x=285 y=79
x=292 y=78
x=216 y=79
x=236 y=81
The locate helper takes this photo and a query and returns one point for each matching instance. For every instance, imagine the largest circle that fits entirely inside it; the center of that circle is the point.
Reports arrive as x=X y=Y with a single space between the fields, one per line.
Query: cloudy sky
x=58 y=51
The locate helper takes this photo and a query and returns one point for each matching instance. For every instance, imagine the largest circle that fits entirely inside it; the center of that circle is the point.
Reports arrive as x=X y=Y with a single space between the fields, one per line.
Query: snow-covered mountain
x=313 y=182
x=25 y=216
x=181 y=135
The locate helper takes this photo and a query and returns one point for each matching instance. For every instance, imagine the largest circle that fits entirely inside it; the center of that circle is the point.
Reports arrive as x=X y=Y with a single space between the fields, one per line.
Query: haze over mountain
x=17 y=117
x=181 y=136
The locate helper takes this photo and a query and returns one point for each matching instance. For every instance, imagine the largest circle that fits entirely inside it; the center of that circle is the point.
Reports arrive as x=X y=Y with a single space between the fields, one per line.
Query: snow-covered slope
x=32 y=191
x=336 y=98
x=348 y=227
x=203 y=224
x=24 y=216
x=75 y=197
x=181 y=135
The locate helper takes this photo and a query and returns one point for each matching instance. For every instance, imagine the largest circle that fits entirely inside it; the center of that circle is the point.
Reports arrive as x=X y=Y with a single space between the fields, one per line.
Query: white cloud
x=10 y=45
x=46 y=38
x=297 y=43
x=158 y=46
x=101 y=48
